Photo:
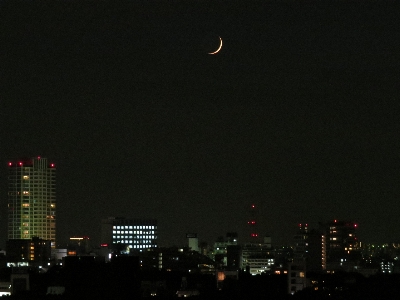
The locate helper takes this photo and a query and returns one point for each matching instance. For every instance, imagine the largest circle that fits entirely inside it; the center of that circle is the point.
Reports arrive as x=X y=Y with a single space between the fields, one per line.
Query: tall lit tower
x=32 y=199
x=252 y=223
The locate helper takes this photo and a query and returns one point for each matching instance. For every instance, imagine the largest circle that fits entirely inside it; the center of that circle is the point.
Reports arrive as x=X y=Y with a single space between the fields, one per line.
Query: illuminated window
x=301 y=274
x=25 y=205
x=26 y=177
x=25 y=192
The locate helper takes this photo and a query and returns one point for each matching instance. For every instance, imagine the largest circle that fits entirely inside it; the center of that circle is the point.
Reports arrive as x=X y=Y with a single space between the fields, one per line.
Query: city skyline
x=297 y=113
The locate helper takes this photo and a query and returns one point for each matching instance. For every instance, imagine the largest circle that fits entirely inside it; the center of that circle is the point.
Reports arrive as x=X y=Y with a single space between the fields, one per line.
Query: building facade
x=257 y=258
x=342 y=246
x=129 y=234
x=32 y=199
x=28 y=251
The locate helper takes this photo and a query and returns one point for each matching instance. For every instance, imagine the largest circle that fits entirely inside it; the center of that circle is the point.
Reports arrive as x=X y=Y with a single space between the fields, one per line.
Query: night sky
x=298 y=113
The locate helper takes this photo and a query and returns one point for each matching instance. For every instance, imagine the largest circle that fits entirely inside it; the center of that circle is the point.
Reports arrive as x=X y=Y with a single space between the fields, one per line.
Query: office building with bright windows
x=129 y=234
x=32 y=199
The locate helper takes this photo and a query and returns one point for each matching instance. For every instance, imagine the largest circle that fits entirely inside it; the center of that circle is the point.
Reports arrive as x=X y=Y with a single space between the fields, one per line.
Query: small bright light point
x=10 y=164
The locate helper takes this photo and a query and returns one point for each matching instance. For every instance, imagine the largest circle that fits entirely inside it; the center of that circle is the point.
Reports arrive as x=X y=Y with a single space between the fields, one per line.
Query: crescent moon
x=219 y=48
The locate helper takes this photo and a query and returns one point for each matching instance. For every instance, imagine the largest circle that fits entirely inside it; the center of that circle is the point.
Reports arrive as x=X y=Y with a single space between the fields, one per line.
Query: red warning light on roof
x=252 y=206
x=103 y=245
x=355 y=225
x=20 y=163
x=335 y=221
x=10 y=164
x=52 y=165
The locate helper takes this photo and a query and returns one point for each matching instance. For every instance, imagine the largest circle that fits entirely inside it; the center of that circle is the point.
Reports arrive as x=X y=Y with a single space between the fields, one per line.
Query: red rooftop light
x=20 y=163
x=10 y=164
x=52 y=165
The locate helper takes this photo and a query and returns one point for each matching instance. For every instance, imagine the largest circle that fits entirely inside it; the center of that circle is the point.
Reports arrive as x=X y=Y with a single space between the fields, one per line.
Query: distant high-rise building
x=220 y=251
x=24 y=251
x=129 y=234
x=32 y=199
x=193 y=241
x=257 y=258
x=309 y=245
x=342 y=245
